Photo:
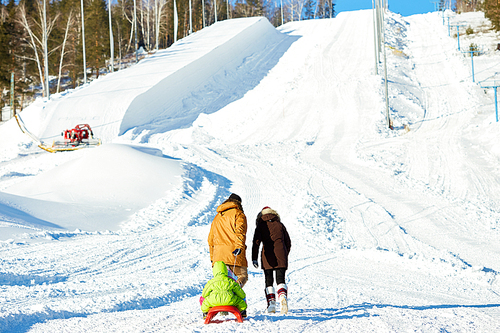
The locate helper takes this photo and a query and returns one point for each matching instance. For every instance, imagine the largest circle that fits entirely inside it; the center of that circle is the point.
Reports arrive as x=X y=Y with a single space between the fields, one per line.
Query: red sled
x=227 y=308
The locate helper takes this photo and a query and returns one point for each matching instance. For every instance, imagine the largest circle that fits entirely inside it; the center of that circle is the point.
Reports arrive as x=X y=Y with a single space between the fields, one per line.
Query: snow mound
x=212 y=79
x=97 y=191
x=108 y=174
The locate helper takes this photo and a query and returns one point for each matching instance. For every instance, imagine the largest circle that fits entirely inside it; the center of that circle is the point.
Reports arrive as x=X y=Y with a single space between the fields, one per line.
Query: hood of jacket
x=269 y=211
x=219 y=268
x=229 y=204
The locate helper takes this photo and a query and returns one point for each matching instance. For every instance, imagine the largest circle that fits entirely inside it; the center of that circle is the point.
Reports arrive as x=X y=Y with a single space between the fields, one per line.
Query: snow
x=392 y=230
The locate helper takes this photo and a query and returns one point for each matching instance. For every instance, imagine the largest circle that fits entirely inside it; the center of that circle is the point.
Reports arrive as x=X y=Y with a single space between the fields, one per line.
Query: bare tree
x=68 y=25
x=35 y=30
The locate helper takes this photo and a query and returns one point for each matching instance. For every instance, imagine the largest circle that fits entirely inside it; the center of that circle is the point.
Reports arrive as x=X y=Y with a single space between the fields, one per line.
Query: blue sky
x=403 y=7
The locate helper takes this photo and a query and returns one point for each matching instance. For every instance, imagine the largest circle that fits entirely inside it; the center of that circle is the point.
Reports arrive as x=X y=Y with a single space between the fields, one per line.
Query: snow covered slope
x=173 y=86
x=392 y=230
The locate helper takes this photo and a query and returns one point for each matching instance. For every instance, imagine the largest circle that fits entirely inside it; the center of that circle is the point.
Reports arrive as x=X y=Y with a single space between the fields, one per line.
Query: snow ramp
x=169 y=89
x=213 y=78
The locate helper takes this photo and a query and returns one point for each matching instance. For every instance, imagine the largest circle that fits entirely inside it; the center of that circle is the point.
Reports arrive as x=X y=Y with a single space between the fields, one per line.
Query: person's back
x=227 y=235
x=276 y=244
x=222 y=290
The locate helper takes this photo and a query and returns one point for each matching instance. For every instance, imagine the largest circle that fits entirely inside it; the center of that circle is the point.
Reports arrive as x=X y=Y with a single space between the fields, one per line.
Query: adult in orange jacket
x=227 y=237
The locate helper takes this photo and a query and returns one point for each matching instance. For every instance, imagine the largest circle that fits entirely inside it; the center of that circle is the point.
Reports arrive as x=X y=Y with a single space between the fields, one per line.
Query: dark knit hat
x=235 y=197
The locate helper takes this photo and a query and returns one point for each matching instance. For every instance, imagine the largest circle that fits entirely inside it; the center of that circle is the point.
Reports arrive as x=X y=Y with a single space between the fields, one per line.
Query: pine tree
x=96 y=34
x=13 y=55
x=492 y=11
x=249 y=8
x=5 y=57
x=309 y=9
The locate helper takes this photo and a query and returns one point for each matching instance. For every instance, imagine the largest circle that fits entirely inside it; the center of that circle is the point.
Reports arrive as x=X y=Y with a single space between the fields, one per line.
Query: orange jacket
x=228 y=233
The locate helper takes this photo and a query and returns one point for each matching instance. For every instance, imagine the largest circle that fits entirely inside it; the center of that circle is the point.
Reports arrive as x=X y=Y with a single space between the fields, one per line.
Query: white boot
x=282 y=297
x=271 y=300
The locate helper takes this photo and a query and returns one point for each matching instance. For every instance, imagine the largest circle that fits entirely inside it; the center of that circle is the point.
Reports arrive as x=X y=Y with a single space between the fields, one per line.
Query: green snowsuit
x=222 y=290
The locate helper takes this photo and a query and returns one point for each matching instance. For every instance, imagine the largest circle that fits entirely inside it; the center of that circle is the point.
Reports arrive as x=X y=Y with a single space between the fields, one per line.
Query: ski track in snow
x=391 y=231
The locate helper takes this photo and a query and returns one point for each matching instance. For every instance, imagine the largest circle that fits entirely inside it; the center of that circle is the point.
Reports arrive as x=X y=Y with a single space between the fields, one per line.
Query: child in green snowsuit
x=222 y=290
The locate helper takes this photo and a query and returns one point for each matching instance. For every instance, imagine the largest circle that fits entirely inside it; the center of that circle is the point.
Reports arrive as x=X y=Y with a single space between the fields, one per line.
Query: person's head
x=235 y=197
x=267 y=214
x=219 y=268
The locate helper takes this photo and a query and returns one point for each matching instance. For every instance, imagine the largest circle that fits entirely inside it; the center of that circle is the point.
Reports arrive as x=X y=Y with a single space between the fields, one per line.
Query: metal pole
x=190 y=18
x=135 y=30
x=375 y=39
x=379 y=25
x=385 y=73
x=176 y=21
x=45 y=51
x=157 y=27
x=203 y=10
x=111 y=42
x=282 y=12
x=386 y=91
x=458 y=37
x=83 y=44
x=496 y=104
x=12 y=106
x=472 y=60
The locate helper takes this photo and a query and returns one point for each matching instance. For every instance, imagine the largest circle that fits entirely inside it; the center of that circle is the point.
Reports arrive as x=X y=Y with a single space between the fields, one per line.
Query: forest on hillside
x=42 y=49
x=491 y=9
x=34 y=33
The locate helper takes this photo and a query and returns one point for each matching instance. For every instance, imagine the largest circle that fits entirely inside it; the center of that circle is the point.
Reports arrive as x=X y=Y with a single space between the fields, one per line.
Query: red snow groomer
x=79 y=137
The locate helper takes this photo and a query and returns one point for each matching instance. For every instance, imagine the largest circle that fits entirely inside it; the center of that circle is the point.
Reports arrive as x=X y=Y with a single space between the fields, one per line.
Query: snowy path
x=391 y=231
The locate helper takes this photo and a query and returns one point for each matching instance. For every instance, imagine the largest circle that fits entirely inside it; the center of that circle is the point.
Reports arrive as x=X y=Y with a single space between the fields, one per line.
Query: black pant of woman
x=280 y=276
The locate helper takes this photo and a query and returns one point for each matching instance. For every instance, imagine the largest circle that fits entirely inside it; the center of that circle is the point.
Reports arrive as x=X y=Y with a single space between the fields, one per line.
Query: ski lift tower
x=458 y=25
x=473 y=51
x=495 y=84
x=449 y=29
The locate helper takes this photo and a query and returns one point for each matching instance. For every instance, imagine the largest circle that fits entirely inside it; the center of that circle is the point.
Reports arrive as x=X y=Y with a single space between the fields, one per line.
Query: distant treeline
x=491 y=9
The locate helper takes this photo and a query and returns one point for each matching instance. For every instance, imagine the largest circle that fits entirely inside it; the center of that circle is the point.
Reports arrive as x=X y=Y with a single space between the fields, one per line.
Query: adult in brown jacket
x=227 y=237
x=276 y=246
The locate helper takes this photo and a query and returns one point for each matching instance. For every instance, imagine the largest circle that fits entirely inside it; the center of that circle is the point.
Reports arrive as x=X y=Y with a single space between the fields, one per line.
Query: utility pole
x=190 y=18
x=375 y=38
x=380 y=6
x=176 y=21
x=45 y=51
x=83 y=44
x=111 y=42
x=12 y=100
x=157 y=26
x=135 y=31
x=203 y=10
x=282 y=12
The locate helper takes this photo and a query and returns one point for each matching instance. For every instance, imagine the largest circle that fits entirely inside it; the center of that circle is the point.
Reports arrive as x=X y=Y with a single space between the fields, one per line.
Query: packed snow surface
x=393 y=230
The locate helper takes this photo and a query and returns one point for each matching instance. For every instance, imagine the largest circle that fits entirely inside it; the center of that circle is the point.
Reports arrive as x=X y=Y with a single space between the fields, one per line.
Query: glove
x=255 y=264
x=236 y=252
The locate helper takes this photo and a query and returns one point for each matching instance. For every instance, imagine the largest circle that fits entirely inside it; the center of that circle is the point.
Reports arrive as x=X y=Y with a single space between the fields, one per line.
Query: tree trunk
x=68 y=24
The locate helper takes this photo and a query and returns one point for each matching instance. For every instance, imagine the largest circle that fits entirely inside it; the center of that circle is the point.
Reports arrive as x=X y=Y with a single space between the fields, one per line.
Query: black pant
x=280 y=276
